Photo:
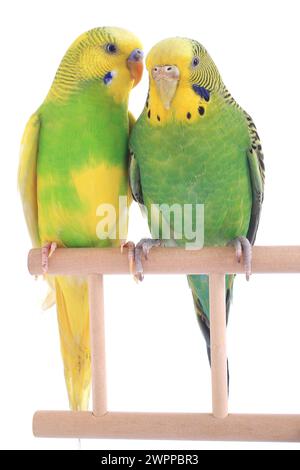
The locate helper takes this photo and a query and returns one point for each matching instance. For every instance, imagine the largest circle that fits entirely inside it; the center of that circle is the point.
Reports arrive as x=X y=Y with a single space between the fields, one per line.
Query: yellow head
x=182 y=78
x=112 y=56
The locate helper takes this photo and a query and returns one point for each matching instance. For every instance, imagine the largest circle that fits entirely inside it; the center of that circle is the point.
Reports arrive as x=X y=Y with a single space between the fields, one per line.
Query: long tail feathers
x=199 y=285
x=51 y=295
x=73 y=322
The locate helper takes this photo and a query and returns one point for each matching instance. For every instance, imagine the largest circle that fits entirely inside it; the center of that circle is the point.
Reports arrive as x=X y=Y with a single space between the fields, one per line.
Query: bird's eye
x=195 y=61
x=110 y=48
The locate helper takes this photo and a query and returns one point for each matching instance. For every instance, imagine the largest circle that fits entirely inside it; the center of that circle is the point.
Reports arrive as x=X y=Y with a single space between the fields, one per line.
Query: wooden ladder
x=218 y=425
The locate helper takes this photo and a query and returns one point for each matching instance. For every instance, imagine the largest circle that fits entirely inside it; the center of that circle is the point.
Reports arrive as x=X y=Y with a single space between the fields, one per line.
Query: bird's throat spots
x=191 y=116
x=193 y=111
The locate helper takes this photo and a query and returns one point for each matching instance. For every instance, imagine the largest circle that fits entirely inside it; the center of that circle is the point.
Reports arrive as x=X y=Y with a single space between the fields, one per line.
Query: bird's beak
x=166 y=78
x=135 y=65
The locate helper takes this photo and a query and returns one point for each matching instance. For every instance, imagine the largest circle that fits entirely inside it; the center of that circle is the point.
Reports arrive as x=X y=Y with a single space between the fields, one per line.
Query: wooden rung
x=84 y=261
x=97 y=334
x=217 y=308
x=191 y=426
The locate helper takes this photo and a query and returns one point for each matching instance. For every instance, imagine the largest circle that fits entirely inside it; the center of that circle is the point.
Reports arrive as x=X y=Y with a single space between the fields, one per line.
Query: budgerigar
x=193 y=144
x=74 y=158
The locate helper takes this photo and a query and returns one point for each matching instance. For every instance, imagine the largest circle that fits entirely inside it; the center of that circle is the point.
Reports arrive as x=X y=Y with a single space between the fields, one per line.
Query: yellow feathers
x=112 y=182
x=183 y=102
x=27 y=177
x=195 y=68
x=175 y=51
x=178 y=52
x=88 y=59
x=73 y=321
x=104 y=193
x=74 y=159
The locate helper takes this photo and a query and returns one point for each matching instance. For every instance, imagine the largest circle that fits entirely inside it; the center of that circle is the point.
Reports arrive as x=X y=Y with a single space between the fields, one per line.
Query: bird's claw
x=131 y=254
x=53 y=247
x=143 y=248
x=47 y=252
x=243 y=248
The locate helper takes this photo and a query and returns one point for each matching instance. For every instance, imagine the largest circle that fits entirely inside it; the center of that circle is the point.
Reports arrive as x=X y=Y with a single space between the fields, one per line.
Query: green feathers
x=199 y=163
x=204 y=149
x=74 y=158
x=76 y=153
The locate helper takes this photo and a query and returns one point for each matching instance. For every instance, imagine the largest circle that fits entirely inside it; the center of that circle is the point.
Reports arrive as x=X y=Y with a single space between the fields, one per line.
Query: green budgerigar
x=193 y=144
x=74 y=158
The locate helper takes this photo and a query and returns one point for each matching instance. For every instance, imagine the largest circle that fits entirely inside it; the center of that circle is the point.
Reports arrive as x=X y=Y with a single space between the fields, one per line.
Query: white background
x=156 y=355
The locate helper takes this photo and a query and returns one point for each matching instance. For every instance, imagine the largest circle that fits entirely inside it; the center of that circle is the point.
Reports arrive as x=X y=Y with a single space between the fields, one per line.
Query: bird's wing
x=135 y=180
x=257 y=175
x=27 y=176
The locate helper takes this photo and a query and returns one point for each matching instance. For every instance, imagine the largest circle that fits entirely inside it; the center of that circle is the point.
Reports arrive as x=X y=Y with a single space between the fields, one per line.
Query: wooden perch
x=84 y=261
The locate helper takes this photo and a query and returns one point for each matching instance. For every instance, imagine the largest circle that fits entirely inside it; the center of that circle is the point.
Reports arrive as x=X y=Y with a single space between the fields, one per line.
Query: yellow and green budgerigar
x=74 y=157
x=193 y=144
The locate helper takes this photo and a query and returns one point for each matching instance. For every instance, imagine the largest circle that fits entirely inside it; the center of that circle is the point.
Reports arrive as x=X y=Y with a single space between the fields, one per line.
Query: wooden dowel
x=97 y=333
x=192 y=426
x=217 y=307
x=83 y=261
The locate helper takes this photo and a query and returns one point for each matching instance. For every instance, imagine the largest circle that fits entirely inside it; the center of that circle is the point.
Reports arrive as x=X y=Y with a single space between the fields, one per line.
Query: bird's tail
x=199 y=285
x=73 y=321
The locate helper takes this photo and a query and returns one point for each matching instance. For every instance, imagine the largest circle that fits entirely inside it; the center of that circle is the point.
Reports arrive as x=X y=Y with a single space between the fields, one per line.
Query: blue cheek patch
x=201 y=91
x=107 y=78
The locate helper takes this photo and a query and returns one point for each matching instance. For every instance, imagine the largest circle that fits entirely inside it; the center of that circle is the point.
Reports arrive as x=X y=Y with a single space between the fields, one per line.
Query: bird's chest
x=203 y=163
x=87 y=127
x=193 y=160
x=81 y=164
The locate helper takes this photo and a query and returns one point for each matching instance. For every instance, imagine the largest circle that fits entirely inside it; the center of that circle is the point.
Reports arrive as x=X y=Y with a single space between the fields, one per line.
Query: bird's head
x=182 y=78
x=109 y=55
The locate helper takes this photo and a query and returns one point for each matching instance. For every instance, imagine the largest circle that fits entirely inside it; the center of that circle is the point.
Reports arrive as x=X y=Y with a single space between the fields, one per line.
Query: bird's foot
x=243 y=249
x=131 y=248
x=47 y=252
x=143 y=249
